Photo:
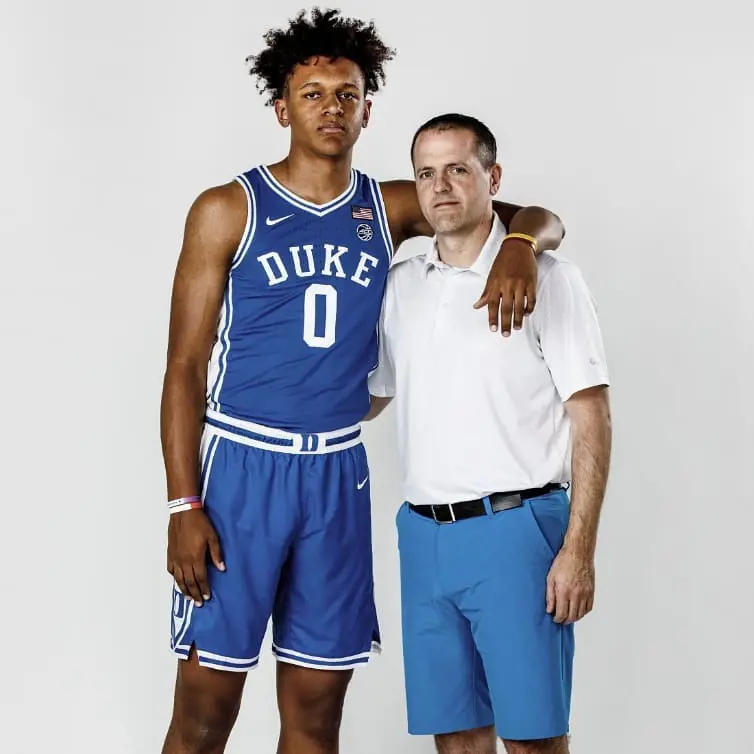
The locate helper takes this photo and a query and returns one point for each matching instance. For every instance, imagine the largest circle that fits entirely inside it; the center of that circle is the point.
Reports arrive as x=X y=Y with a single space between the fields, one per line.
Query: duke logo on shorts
x=285 y=479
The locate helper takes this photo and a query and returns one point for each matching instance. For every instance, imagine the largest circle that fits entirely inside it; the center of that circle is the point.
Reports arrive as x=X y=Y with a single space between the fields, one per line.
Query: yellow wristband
x=524 y=237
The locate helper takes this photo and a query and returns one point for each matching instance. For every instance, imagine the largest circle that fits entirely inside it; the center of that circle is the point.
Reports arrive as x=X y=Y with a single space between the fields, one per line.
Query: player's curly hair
x=326 y=33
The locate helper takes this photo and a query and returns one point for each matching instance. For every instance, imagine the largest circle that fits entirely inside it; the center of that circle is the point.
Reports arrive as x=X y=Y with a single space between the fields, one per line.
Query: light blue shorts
x=479 y=647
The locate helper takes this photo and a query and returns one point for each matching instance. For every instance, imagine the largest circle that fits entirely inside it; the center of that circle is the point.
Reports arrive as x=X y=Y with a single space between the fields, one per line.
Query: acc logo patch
x=365 y=232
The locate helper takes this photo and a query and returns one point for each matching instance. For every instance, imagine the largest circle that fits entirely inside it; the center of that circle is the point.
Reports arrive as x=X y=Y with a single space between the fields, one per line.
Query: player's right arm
x=213 y=231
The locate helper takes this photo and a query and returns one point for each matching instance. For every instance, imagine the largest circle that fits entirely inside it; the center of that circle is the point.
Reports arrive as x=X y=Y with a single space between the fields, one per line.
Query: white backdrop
x=628 y=120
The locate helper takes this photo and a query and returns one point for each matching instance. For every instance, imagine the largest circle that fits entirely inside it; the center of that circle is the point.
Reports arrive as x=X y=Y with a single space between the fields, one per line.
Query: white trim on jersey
x=379 y=204
x=320 y=210
x=219 y=357
x=251 y=221
x=218 y=362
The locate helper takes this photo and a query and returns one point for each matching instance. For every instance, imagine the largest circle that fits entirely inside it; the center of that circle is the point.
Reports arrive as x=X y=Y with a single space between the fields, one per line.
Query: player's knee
x=314 y=709
x=476 y=741
x=204 y=711
x=557 y=745
x=203 y=723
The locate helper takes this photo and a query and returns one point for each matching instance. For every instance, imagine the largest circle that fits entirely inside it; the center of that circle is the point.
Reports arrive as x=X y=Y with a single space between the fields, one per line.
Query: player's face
x=453 y=187
x=325 y=105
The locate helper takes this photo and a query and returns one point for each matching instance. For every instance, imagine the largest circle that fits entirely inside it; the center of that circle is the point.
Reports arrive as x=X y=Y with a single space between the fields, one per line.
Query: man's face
x=453 y=186
x=324 y=105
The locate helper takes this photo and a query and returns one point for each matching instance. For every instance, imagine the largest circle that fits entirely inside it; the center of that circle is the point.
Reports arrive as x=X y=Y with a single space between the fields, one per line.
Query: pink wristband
x=184 y=507
x=184 y=503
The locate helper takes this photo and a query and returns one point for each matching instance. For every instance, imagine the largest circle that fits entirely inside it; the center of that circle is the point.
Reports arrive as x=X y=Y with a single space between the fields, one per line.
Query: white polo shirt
x=478 y=413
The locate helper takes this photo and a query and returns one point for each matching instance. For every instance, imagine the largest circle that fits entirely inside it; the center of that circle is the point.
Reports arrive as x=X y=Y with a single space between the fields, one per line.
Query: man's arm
x=570 y=583
x=591 y=427
x=213 y=231
x=510 y=292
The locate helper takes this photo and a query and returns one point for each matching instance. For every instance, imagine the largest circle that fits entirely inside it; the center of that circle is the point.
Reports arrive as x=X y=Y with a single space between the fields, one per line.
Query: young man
x=494 y=568
x=278 y=287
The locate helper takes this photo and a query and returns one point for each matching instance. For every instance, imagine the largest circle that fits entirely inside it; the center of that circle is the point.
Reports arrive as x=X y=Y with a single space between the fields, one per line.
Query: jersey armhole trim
x=251 y=221
x=382 y=217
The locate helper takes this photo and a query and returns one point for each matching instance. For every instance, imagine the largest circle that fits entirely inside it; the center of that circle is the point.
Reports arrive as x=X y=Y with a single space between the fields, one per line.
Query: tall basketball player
x=278 y=288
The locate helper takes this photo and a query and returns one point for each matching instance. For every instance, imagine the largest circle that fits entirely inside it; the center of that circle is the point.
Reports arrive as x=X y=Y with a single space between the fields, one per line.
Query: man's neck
x=462 y=249
x=313 y=177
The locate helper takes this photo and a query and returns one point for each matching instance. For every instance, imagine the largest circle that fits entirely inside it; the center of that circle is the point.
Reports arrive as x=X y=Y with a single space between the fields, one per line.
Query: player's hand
x=570 y=586
x=511 y=289
x=190 y=537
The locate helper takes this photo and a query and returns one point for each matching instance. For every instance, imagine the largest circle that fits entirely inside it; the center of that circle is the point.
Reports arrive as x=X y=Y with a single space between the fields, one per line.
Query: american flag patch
x=362 y=213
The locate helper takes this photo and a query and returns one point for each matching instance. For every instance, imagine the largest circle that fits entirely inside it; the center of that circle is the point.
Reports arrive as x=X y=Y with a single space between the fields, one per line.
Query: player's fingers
x=192 y=588
x=215 y=551
x=201 y=578
x=506 y=313
x=482 y=301
x=493 y=310
x=179 y=580
x=531 y=298
x=519 y=303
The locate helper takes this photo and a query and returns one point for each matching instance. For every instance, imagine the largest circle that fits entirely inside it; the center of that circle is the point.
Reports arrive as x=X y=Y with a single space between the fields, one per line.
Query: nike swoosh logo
x=277 y=220
x=359 y=485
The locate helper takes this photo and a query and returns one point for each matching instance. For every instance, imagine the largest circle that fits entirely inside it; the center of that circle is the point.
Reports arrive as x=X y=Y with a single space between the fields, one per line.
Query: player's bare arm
x=510 y=291
x=570 y=583
x=377 y=405
x=214 y=228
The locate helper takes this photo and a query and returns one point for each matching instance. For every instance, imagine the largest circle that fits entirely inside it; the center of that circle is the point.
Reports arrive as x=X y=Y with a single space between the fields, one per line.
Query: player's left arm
x=510 y=291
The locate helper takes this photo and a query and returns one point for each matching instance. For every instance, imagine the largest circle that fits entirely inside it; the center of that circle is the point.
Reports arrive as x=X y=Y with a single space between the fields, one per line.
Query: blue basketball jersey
x=297 y=333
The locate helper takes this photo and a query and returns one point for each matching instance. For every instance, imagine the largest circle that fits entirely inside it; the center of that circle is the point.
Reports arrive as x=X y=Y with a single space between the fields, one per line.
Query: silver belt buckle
x=450 y=508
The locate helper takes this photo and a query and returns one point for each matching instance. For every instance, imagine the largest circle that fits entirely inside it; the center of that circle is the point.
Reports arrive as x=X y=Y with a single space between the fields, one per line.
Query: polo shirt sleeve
x=382 y=379
x=569 y=332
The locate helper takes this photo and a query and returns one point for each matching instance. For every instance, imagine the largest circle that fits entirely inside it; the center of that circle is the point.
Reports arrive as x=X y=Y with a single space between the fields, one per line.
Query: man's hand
x=190 y=535
x=570 y=586
x=511 y=288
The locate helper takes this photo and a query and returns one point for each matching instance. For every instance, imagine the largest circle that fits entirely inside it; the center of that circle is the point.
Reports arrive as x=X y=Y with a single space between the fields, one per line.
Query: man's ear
x=496 y=176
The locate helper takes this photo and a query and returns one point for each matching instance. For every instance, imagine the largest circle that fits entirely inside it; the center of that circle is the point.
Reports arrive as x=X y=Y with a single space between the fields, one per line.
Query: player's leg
x=446 y=686
x=220 y=641
x=527 y=656
x=205 y=708
x=325 y=622
x=311 y=707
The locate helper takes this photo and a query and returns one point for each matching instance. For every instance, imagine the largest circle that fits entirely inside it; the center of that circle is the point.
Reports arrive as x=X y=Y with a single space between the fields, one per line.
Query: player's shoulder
x=221 y=201
x=218 y=215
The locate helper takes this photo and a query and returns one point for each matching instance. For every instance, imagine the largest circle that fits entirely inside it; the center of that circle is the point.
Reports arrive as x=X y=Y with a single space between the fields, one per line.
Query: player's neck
x=462 y=248
x=316 y=178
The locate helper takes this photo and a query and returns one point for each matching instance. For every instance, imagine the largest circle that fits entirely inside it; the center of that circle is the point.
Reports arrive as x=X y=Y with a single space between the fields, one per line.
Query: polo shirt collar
x=483 y=263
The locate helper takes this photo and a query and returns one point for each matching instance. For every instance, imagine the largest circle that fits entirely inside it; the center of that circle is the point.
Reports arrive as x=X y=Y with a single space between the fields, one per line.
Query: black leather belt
x=447 y=513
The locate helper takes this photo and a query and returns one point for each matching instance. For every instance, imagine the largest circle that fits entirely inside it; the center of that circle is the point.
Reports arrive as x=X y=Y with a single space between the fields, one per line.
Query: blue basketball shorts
x=479 y=646
x=292 y=513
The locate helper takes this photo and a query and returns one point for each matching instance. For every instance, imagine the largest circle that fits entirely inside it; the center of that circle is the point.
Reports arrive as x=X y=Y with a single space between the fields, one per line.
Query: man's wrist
x=580 y=543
